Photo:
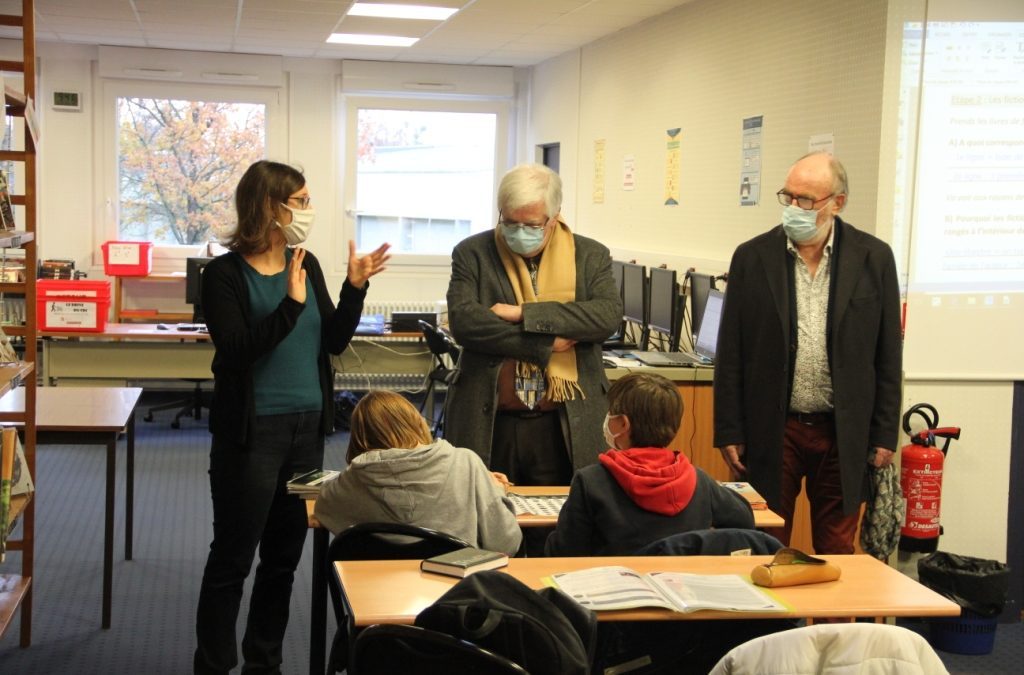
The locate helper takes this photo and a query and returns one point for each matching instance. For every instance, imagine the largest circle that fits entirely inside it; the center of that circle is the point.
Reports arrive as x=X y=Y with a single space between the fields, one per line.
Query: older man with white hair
x=531 y=302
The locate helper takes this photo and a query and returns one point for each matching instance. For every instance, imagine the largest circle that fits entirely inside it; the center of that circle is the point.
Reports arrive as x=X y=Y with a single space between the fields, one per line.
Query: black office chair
x=376 y=541
x=386 y=649
x=442 y=346
x=190 y=406
x=193 y=404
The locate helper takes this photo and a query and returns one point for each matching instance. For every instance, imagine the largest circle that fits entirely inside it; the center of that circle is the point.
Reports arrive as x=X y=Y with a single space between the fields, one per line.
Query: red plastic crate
x=72 y=305
x=127 y=258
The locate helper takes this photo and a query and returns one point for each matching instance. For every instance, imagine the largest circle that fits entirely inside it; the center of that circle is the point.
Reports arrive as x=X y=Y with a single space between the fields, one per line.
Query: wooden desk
x=868 y=588
x=762 y=517
x=125 y=351
x=89 y=416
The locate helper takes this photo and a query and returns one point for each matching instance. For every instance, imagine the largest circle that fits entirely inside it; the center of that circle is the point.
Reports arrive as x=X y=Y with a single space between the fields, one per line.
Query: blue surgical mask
x=523 y=240
x=800 y=224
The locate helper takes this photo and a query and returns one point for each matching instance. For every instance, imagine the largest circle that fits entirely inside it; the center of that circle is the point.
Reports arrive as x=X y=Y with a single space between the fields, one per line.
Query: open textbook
x=601 y=588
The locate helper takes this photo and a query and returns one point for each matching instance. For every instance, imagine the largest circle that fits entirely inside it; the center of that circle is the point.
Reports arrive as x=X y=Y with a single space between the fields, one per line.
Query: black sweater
x=226 y=308
x=599 y=518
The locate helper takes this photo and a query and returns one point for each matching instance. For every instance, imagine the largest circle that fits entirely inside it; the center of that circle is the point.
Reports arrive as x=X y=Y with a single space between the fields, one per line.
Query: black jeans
x=250 y=508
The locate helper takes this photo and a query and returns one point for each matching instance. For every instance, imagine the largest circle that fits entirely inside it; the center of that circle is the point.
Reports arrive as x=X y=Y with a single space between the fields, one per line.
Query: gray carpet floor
x=155 y=594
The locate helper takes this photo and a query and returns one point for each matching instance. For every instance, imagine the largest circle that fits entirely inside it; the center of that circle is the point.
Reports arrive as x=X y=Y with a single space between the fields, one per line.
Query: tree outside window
x=178 y=164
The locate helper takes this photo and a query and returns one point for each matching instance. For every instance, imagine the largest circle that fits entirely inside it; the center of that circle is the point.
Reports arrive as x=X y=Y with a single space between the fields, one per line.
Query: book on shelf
x=6 y=211
x=605 y=588
x=464 y=561
x=7 y=454
x=311 y=482
x=747 y=491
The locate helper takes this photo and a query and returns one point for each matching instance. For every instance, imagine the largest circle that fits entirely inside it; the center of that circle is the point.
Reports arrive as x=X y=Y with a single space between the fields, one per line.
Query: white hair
x=528 y=184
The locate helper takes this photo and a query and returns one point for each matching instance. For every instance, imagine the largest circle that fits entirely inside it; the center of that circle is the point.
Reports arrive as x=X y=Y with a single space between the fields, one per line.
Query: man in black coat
x=809 y=361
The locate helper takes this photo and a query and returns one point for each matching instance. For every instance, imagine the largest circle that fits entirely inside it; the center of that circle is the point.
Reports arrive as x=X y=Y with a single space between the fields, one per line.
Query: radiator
x=371 y=381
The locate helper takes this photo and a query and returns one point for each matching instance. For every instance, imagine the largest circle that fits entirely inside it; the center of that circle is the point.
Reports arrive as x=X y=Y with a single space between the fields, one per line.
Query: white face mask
x=296 y=231
x=609 y=437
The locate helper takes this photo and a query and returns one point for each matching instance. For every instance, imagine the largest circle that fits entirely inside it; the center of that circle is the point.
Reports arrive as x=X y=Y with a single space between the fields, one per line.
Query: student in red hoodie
x=641 y=491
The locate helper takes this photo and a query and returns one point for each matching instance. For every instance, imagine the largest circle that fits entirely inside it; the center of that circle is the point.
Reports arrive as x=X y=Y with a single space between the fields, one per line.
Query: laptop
x=703 y=353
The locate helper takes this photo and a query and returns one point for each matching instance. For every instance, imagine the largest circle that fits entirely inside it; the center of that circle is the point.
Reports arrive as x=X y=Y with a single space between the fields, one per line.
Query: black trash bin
x=979 y=586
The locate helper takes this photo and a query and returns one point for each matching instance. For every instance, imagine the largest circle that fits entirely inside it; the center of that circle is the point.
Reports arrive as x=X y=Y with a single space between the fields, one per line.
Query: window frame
x=166 y=257
x=350 y=105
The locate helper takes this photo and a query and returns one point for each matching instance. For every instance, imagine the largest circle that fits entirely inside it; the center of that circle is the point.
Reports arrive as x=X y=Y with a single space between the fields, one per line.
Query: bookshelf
x=16 y=589
x=152 y=290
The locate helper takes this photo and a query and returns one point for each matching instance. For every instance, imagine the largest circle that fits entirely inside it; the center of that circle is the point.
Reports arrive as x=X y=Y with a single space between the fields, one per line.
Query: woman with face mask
x=640 y=490
x=273 y=324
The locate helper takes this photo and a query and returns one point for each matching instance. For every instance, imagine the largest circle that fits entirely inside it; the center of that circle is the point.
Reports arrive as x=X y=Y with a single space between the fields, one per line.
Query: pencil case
x=791 y=567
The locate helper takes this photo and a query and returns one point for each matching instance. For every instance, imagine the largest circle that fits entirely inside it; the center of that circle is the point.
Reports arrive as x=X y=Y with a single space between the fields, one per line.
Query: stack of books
x=310 y=483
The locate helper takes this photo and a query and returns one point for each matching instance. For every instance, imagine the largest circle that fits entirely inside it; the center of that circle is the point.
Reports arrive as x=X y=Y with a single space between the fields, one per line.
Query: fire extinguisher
x=921 y=466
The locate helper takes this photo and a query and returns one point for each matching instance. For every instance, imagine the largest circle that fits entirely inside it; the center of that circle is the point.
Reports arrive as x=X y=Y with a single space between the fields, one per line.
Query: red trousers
x=809 y=451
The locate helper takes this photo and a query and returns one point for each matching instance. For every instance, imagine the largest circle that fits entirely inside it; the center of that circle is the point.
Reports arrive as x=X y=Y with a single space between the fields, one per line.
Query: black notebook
x=464 y=561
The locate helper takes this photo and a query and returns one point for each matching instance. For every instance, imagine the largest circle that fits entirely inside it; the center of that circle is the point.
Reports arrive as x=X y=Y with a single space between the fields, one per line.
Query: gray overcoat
x=479 y=281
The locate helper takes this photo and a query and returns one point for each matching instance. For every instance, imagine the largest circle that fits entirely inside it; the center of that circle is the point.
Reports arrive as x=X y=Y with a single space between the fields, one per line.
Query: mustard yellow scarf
x=556 y=282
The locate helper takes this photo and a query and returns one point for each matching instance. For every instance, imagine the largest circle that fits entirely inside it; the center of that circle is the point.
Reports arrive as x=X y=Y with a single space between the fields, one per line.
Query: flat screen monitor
x=662 y=304
x=700 y=287
x=617 y=274
x=194 y=285
x=634 y=297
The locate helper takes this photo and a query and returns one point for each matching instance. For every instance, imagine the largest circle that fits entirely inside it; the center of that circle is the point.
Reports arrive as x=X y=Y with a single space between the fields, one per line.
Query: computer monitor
x=700 y=287
x=617 y=274
x=616 y=339
x=662 y=306
x=194 y=285
x=634 y=296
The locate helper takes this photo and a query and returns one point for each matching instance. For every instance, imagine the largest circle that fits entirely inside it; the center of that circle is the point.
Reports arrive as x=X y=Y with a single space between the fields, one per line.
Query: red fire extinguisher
x=921 y=465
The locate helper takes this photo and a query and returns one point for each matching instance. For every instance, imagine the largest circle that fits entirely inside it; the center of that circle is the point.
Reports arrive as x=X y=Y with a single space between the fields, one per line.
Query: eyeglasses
x=513 y=225
x=806 y=203
x=303 y=202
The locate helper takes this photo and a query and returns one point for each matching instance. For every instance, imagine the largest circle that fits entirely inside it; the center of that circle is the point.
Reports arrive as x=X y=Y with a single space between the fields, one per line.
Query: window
x=424 y=175
x=178 y=163
x=173 y=154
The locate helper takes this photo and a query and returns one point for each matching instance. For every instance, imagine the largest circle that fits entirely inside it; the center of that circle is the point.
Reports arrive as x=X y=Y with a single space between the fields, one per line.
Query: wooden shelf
x=13 y=588
x=15 y=238
x=122 y=315
x=15 y=594
x=13 y=374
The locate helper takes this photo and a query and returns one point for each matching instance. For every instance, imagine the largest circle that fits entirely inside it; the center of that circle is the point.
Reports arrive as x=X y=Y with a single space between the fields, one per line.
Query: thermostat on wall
x=70 y=101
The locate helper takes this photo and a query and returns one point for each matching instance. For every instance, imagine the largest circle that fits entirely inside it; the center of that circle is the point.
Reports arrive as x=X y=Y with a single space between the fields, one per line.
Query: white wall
x=809 y=67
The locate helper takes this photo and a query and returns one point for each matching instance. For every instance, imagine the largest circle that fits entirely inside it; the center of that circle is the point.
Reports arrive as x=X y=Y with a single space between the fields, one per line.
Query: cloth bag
x=546 y=631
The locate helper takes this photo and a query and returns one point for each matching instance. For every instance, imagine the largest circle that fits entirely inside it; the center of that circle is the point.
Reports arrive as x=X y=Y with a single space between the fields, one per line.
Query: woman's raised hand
x=297 y=276
x=361 y=268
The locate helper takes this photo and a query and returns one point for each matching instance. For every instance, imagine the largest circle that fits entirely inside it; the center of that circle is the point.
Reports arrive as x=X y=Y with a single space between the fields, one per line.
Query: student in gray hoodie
x=397 y=473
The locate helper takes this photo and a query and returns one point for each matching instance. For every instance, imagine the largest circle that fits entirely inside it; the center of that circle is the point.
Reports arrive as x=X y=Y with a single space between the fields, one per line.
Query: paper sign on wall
x=750 y=171
x=672 y=167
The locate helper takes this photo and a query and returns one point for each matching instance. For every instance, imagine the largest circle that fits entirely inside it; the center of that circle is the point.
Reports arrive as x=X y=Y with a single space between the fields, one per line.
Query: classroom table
x=867 y=588
x=123 y=352
x=318 y=603
x=89 y=416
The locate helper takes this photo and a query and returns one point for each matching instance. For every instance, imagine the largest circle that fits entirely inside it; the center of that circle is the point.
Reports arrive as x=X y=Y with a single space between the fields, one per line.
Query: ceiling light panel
x=400 y=11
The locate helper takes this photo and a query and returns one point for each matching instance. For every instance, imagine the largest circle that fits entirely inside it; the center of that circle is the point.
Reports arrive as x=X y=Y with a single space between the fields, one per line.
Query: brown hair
x=653 y=406
x=263 y=187
x=385 y=419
